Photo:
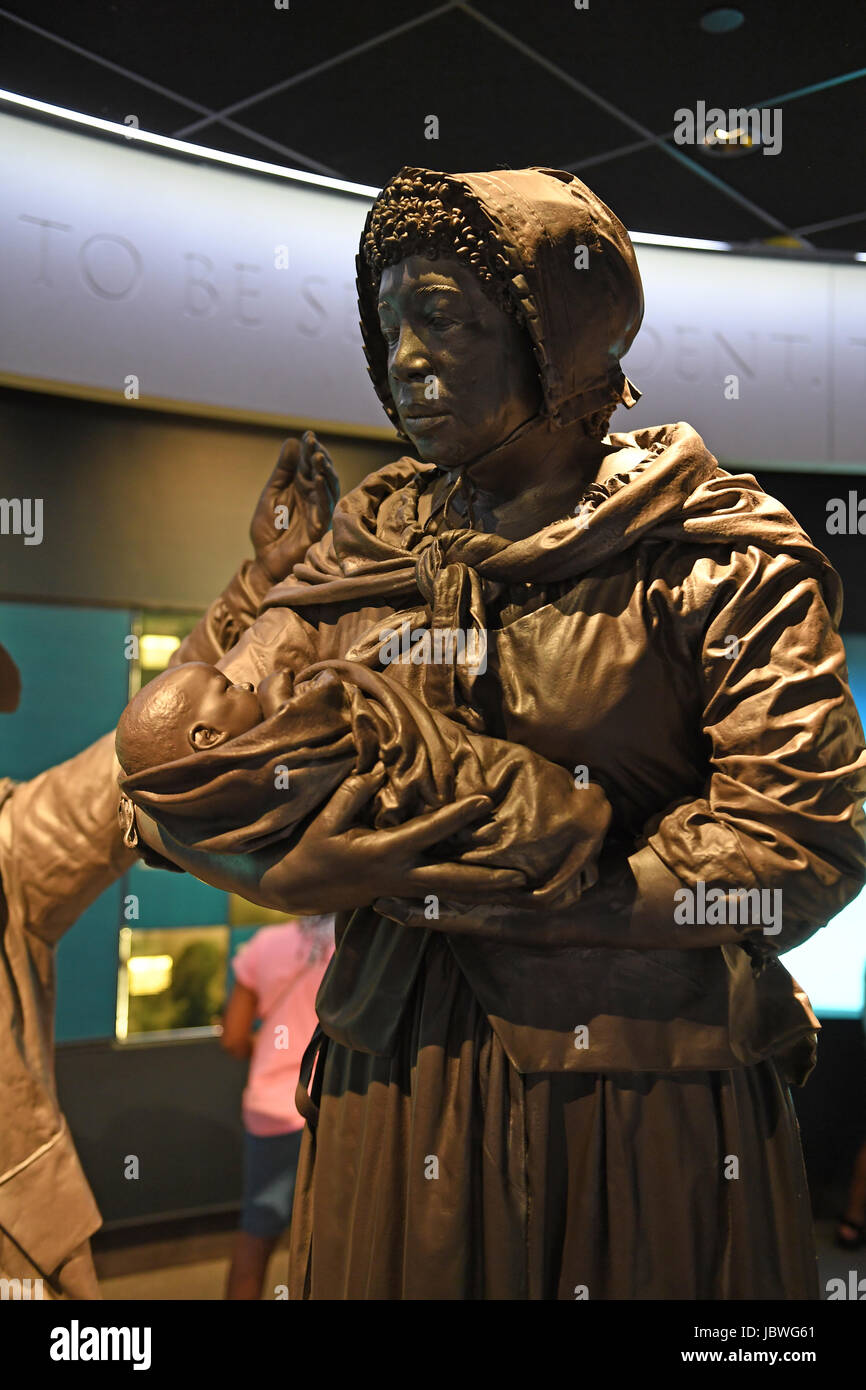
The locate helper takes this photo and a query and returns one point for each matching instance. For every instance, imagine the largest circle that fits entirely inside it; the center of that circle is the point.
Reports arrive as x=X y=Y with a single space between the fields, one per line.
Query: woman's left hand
x=587 y=819
x=301 y=492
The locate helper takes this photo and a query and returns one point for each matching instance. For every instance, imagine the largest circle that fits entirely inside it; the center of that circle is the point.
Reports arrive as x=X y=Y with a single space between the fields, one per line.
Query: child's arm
x=279 y=640
x=275 y=691
x=240 y=1015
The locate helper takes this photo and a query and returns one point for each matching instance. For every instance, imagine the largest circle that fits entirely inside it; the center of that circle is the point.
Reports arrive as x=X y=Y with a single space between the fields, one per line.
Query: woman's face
x=461 y=371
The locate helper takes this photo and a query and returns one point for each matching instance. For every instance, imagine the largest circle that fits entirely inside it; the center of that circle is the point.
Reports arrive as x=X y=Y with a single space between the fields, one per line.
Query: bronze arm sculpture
x=60 y=847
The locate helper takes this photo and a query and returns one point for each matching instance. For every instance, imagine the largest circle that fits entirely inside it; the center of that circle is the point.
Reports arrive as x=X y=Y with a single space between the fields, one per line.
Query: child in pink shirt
x=277 y=974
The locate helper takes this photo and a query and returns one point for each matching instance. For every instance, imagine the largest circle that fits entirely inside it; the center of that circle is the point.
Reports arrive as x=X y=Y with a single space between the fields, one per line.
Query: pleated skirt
x=443 y=1173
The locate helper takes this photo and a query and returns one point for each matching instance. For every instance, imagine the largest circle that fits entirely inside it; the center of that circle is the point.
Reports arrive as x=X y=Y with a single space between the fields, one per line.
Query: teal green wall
x=74 y=682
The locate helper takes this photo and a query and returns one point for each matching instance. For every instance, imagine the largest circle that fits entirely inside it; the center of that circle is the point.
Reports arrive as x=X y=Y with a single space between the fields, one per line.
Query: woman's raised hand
x=296 y=506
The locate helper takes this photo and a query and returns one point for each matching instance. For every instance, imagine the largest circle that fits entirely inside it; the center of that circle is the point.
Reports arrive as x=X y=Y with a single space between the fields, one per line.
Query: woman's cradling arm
x=775 y=845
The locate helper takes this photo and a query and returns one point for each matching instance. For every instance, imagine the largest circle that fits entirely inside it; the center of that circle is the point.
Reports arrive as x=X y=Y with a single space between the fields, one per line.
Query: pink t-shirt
x=283 y=966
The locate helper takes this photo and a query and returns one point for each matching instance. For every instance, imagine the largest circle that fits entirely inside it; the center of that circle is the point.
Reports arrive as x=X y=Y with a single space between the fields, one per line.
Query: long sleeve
x=782 y=810
x=227 y=618
x=780 y=816
x=60 y=841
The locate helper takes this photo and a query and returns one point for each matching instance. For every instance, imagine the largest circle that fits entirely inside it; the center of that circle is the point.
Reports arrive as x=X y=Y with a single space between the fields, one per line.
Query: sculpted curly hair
x=413 y=217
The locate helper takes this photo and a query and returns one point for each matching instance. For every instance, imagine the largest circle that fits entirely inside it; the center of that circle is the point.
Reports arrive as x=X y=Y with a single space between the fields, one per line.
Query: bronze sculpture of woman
x=519 y=1090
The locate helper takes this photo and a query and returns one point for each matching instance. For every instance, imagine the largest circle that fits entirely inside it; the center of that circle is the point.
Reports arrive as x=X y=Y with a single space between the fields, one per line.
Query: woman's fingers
x=305 y=465
x=482 y=835
x=314 y=455
x=348 y=799
x=286 y=466
x=316 y=477
x=310 y=446
x=325 y=478
x=262 y=527
x=431 y=827
x=468 y=881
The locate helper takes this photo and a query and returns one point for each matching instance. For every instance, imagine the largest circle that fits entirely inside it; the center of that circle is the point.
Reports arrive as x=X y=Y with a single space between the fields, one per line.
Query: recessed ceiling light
x=722 y=21
x=786 y=242
x=727 y=144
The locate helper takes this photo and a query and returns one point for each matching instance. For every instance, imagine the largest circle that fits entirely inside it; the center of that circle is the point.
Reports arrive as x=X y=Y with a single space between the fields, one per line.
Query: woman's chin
x=446 y=453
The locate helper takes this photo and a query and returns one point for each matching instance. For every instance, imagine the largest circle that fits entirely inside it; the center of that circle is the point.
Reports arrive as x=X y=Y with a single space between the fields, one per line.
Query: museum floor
x=193 y=1263
x=178 y=1260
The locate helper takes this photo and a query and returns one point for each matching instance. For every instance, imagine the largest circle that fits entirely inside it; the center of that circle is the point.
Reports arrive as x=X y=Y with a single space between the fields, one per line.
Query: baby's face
x=196 y=707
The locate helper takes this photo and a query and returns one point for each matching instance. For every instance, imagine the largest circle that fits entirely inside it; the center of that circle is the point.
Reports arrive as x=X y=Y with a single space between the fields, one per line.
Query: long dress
x=457 y=1146
x=443 y=1173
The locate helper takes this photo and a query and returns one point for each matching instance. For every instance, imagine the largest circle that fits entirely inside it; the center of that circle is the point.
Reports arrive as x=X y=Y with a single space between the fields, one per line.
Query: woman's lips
x=422 y=422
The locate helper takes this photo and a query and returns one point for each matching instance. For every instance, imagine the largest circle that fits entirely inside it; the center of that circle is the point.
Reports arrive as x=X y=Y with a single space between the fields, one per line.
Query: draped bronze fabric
x=439 y=1172
x=578 y=670
x=743 y=770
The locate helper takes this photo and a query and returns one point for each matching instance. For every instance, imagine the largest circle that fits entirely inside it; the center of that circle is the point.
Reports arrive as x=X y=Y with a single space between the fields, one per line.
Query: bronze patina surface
x=535 y=1058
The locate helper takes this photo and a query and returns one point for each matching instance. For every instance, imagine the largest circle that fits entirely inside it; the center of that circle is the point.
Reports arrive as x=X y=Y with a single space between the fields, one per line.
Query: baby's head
x=185 y=710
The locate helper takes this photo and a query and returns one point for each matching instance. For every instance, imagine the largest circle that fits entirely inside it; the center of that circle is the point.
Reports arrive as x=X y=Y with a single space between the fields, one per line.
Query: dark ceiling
x=344 y=88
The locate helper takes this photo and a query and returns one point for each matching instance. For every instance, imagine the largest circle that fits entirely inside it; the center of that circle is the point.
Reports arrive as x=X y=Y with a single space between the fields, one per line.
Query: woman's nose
x=410 y=356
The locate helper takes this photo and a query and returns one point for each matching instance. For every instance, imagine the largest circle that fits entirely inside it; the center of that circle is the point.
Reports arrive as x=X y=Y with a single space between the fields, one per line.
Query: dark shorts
x=270 y=1163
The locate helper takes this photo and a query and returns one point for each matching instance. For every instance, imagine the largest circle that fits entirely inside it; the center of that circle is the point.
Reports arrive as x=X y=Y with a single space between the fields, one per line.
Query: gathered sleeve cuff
x=227 y=618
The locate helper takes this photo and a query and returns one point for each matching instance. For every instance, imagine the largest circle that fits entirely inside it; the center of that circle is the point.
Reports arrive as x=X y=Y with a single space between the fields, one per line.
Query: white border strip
x=166 y=142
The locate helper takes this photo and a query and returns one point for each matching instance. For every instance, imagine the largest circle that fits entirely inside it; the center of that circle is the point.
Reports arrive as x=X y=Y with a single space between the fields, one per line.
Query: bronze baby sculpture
x=189 y=708
x=233 y=768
